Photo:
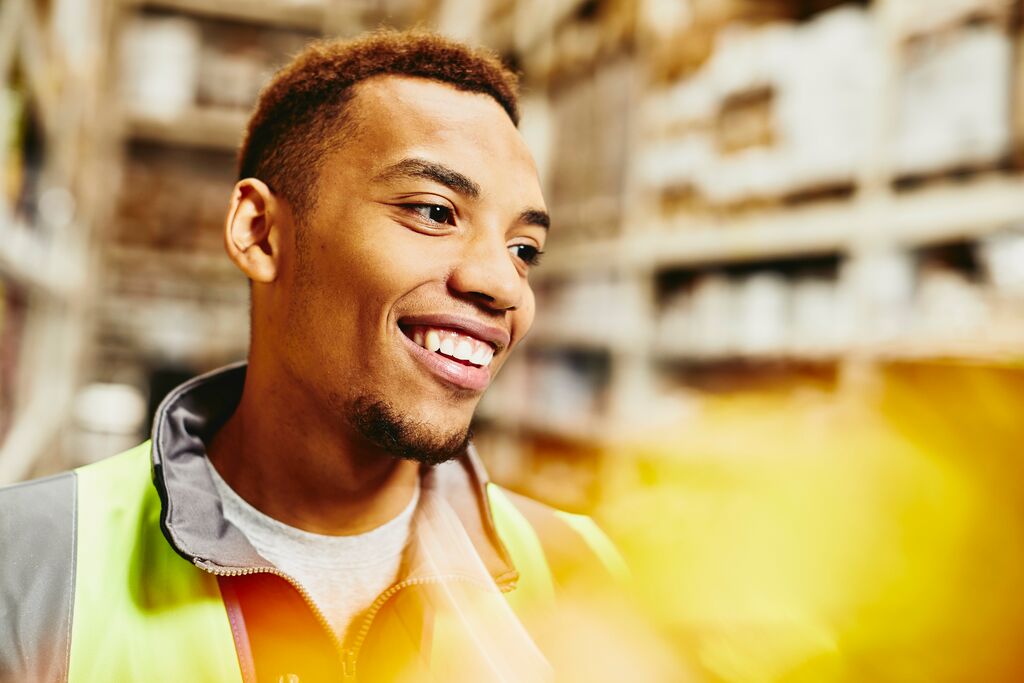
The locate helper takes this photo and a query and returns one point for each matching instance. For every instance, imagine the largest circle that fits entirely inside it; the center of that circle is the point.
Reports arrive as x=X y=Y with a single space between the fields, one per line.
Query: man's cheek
x=523 y=317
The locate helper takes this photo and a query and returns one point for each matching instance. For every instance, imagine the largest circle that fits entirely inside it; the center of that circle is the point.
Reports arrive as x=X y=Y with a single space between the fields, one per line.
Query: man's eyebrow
x=430 y=170
x=439 y=173
x=535 y=217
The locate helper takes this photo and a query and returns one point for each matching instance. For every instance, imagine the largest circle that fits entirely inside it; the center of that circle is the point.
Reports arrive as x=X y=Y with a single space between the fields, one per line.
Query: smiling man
x=319 y=512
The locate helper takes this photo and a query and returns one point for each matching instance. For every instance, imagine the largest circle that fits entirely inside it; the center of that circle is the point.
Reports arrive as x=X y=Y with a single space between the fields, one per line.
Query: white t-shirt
x=343 y=574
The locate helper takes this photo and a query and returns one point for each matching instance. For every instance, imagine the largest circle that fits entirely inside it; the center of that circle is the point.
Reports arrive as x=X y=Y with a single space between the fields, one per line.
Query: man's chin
x=402 y=436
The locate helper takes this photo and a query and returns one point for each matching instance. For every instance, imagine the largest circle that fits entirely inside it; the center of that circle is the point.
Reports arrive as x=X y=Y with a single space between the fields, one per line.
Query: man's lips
x=450 y=370
x=456 y=349
x=496 y=336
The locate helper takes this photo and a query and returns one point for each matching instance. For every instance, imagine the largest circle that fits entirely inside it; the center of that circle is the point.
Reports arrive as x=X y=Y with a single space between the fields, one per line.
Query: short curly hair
x=301 y=112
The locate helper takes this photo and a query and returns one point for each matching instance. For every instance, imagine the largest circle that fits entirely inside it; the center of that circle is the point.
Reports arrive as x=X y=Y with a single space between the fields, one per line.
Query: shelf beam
x=943 y=212
x=198 y=127
x=24 y=261
x=306 y=16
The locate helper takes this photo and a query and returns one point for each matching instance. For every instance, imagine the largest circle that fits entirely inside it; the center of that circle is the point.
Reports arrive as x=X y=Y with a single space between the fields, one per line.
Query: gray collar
x=192 y=518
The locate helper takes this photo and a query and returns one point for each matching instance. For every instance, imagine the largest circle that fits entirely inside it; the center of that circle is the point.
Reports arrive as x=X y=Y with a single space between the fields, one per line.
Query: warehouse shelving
x=25 y=260
x=876 y=217
x=636 y=248
x=947 y=211
x=50 y=59
x=953 y=211
x=536 y=20
x=556 y=335
x=200 y=127
x=914 y=23
x=596 y=431
x=190 y=72
x=309 y=15
x=1005 y=350
x=172 y=298
x=197 y=263
x=314 y=17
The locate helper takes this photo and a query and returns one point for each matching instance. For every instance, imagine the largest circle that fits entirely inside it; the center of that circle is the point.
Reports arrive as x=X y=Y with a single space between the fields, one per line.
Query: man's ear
x=252 y=231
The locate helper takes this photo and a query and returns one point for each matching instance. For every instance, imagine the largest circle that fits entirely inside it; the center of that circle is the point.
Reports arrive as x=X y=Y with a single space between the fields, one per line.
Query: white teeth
x=481 y=357
x=432 y=341
x=454 y=345
x=477 y=356
x=463 y=350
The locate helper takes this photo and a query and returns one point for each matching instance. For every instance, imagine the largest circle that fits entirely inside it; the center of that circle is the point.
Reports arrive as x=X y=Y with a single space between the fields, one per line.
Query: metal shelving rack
x=876 y=219
x=49 y=256
x=52 y=266
x=309 y=16
x=182 y=308
x=153 y=285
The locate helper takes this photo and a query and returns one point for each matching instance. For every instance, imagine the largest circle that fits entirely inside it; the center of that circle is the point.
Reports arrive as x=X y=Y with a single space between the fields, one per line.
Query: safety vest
x=123 y=571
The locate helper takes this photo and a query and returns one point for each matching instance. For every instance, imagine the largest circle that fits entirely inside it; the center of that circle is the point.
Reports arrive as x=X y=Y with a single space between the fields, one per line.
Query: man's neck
x=287 y=461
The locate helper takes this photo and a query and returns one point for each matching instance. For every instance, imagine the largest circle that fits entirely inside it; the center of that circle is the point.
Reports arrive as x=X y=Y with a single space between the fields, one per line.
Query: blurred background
x=781 y=317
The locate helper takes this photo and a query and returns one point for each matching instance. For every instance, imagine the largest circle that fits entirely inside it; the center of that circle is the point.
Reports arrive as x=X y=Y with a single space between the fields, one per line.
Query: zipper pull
x=348 y=665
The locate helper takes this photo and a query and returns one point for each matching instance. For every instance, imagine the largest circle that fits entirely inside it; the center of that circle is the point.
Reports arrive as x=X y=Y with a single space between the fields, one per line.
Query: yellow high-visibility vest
x=107 y=597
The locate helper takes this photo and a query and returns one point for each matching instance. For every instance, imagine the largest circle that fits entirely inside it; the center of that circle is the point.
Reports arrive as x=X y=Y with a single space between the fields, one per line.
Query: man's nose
x=486 y=274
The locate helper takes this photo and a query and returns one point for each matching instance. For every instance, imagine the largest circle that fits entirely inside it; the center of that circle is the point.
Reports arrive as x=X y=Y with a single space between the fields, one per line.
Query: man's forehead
x=424 y=97
x=402 y=118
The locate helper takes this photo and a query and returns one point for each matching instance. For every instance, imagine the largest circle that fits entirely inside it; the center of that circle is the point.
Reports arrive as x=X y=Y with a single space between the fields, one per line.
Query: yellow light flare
x=873 y=538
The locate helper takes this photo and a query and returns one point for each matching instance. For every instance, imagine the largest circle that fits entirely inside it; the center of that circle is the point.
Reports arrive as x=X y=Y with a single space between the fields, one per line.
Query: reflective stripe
x=37 y=555
x=599 y=543
x=142 y=612
x=535 y=581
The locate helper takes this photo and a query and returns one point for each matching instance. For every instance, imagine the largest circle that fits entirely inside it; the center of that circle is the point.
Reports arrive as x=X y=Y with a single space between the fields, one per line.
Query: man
x=319 y=513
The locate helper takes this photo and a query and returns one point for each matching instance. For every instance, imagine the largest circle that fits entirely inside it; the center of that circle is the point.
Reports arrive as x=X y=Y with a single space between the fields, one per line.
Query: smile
x=455 y=351
x=453 y=345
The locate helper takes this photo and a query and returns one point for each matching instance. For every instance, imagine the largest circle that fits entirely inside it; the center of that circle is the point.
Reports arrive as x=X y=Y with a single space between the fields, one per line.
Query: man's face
x=409 y=285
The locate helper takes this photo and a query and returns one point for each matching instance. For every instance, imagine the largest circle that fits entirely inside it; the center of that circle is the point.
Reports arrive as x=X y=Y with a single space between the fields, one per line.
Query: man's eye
x=435 y=213
x=528 y=254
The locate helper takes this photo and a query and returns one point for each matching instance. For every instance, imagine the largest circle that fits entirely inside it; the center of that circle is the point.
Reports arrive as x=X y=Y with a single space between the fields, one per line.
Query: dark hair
x=301 y=111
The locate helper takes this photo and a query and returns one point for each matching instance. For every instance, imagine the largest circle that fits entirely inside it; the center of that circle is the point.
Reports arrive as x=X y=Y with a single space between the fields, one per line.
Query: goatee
x=382 y=425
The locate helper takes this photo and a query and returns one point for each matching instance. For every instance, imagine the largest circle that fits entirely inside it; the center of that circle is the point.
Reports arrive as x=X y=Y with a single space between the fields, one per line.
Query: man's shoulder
x=51 y=504
x=37 y=557
x=573 y=545
x=47 y=500
x=39 y=518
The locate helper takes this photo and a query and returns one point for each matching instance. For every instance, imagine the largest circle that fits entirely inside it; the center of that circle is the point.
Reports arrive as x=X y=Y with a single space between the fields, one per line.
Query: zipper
x=351 y=653
x=348 y=655
x=246 y=571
